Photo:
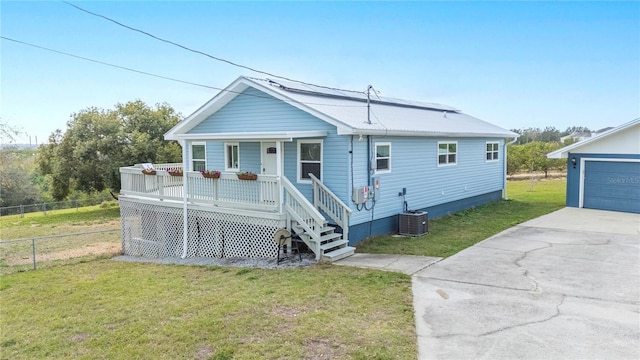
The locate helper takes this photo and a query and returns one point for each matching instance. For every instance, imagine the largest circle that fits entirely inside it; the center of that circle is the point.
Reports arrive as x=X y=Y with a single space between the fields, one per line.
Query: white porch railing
x=262 y=194
x=328 y=202
x=302 y=211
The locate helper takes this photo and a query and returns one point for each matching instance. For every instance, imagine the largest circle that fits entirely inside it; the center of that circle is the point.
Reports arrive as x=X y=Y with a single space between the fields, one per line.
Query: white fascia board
x=564 y=152
x=383 y=132
x=249 y=136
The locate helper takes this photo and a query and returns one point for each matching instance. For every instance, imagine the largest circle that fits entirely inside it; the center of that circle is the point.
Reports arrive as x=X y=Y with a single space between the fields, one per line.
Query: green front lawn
x=115 y=310
x=451 y=234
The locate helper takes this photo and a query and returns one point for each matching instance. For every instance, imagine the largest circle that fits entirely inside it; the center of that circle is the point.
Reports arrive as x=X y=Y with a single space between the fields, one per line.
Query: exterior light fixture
x=573 y=162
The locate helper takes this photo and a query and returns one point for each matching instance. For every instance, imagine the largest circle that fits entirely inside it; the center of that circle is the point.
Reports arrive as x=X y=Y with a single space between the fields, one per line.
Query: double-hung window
x=383 y=158
x=447 y=153
x=309 y=159
x=492 y=151
x=198 y=156
x=232 y=157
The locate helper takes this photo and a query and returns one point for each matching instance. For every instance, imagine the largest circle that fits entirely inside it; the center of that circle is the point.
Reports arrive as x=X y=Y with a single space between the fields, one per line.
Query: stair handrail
x=341 y=218
x=294 y=195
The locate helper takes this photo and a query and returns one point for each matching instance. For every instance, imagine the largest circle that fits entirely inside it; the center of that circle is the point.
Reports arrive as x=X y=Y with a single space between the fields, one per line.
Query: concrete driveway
x=562 y=286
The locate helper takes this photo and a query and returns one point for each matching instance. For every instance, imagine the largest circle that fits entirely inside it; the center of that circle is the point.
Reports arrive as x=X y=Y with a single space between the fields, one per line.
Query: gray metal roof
x=349 y=113
x=388 y=116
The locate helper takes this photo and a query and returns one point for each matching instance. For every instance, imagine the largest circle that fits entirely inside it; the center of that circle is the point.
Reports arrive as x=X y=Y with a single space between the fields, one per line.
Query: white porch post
x=279 y=174
x=185 y=196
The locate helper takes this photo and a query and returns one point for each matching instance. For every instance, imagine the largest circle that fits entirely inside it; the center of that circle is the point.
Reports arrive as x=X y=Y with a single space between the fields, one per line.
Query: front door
x=269 y=166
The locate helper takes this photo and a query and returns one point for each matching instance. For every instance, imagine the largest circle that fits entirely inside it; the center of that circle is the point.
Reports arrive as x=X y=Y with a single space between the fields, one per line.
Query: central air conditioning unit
x=413 y=223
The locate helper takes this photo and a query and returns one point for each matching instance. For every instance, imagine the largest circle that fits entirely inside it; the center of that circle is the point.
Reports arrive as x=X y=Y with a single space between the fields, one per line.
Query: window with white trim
x=492 y=151
x=383 y=157
x=447 y=153
x=309 y=159
x=198 y=156
x=231 y=156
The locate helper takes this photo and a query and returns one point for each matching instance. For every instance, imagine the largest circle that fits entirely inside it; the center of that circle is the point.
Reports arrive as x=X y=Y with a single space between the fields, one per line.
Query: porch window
x=309 y=159
x=383 y=157
x=447 y=153
x=492 y=151
x=198 y=156
x=232 y=156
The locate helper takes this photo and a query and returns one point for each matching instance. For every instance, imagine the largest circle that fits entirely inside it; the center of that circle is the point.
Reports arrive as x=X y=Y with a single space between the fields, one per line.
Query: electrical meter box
x=360 y=195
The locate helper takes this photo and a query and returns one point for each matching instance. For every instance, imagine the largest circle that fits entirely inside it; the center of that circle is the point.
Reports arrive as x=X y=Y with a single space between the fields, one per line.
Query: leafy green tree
x=97 y=142
x=16 y=178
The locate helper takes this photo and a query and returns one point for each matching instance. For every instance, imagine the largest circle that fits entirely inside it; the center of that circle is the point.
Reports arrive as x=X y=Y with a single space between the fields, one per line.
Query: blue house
x=333 y=167
x=603 y=172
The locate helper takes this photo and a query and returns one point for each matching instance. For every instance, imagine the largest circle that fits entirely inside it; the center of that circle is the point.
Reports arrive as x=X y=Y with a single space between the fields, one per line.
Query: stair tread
x=331 y=236
x=339 y=253
x=327 y=228
x=333 y=244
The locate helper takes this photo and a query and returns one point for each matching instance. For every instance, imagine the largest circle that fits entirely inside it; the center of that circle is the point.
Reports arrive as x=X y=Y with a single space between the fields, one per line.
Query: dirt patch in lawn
x=99 y=248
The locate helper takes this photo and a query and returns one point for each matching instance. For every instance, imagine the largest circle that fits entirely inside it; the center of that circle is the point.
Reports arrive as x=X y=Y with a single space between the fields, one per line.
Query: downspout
x=185 y=197
x=504 y=179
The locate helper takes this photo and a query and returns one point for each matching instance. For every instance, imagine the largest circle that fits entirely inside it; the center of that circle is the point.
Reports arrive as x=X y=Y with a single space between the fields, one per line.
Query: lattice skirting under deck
x=156 y=232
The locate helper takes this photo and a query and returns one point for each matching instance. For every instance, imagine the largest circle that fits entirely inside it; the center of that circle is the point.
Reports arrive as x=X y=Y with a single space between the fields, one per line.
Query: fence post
x=76 y=202
x=21 y=211
x=44 y=208
x=33 y=251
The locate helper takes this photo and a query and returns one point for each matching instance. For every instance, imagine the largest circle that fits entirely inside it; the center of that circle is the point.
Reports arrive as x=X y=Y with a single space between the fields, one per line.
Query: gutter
x=504 y=180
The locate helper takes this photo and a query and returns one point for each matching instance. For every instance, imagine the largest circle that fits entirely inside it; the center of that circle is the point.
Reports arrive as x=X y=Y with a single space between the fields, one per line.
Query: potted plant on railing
x=210 y=174
x=247 y=175
x=149 y=171
x=175 y=171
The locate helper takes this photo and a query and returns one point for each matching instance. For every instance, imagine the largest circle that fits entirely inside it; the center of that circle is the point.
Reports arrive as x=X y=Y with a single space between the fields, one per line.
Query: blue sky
x=515 y=64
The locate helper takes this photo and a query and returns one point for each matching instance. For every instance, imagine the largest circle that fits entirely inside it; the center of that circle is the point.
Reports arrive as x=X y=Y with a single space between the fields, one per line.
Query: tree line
x=529 y=152
x=86 y=157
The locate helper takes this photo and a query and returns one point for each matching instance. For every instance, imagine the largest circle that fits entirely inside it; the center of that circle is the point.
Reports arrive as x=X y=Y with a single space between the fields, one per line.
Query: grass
x=451 y=234
x=17 y=256
x=116 y=310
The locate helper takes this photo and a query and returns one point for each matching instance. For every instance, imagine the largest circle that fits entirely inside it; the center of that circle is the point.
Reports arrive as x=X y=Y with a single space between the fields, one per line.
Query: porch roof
x=252 y=136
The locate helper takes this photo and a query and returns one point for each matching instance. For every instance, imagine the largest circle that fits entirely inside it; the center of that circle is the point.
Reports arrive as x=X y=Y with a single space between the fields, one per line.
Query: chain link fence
x=45 y=207
x=39 y=252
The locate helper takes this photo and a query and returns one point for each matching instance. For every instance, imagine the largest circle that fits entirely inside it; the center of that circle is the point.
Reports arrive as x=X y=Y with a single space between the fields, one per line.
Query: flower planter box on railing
x=210 y=174
x=247 y=176
x=149 y=172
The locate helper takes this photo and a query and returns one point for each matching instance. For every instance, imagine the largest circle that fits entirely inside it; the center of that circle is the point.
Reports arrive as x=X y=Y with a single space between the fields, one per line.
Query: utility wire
x=108 y=64
x=202 y=52
x=156 y=75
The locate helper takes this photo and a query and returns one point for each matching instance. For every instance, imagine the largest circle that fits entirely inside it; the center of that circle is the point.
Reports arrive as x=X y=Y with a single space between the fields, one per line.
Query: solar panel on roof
x=357 y=96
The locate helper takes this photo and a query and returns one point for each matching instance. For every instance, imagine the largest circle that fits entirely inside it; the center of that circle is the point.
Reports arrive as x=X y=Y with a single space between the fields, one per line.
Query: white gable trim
x=251 y=136
x=229 y=93
x=564 y=152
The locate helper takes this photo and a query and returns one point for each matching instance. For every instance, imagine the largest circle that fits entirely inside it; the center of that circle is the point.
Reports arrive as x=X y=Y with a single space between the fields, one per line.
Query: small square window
x=447 y=153
x=492 y=151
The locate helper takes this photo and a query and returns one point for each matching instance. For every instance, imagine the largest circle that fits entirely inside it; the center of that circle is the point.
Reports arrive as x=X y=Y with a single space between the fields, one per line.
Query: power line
x=108 y=64
x=154 y=75
x=202 y=52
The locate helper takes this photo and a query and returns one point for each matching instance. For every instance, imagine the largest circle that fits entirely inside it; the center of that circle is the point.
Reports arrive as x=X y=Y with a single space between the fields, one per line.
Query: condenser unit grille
x=414 y=223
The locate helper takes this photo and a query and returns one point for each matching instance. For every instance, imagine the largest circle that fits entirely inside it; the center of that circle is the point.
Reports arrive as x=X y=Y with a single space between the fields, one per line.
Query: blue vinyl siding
x=415 y=167
x=254 y=111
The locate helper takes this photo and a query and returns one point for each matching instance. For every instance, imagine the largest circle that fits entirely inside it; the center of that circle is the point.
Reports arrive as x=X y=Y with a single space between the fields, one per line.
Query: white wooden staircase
x=306 y=221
